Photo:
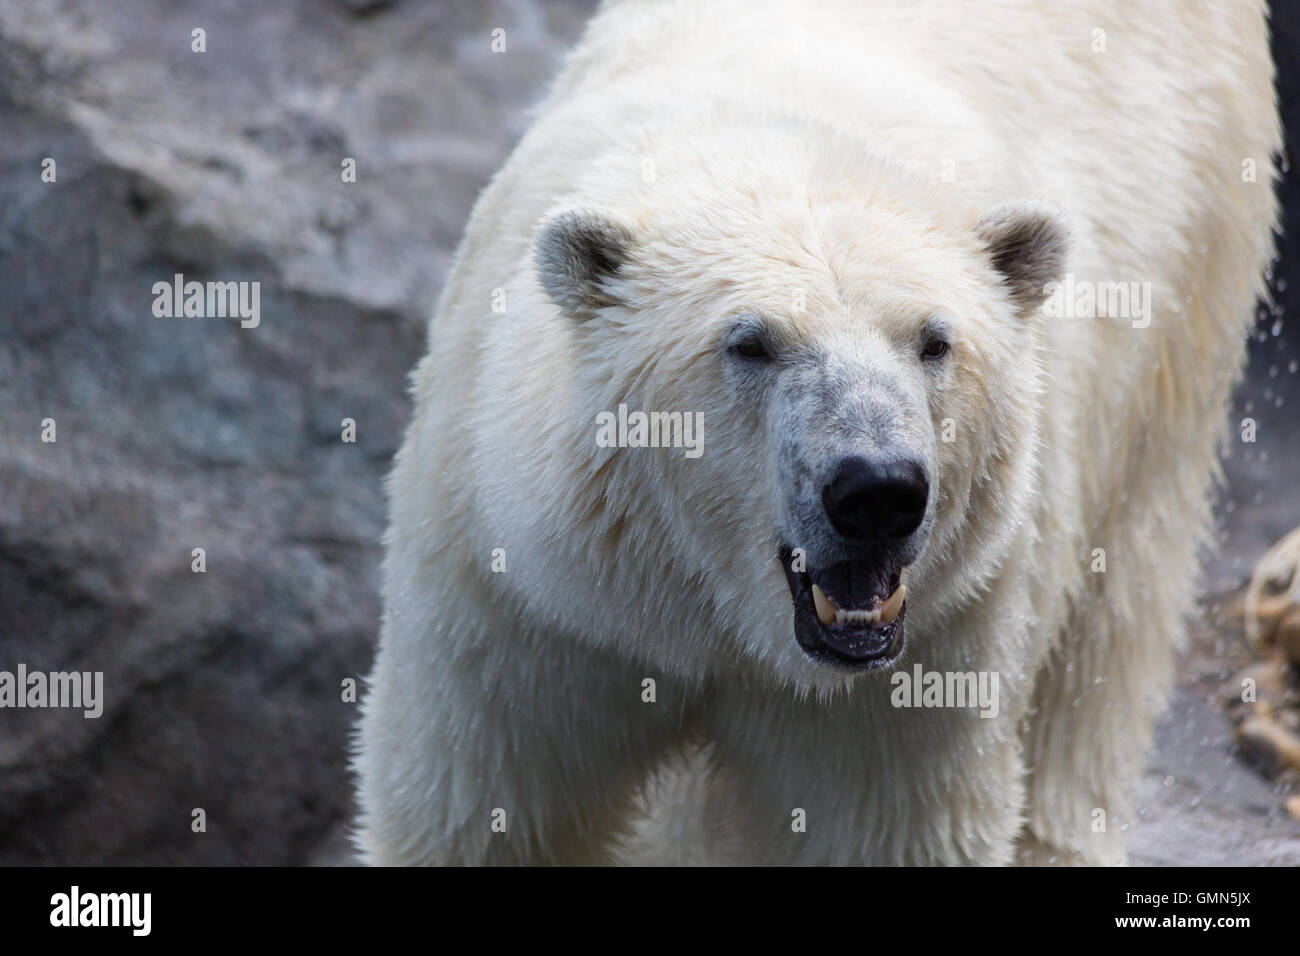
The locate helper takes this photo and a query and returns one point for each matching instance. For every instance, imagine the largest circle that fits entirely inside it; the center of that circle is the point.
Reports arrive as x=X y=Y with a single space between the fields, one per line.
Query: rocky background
x=223 y=689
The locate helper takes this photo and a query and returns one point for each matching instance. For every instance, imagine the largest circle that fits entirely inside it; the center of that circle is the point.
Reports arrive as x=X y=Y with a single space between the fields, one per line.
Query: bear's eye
x=753 y=348
x=934 y=350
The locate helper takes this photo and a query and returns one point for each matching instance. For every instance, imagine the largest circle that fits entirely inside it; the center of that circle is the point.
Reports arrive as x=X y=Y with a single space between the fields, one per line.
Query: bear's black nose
x=877 y=500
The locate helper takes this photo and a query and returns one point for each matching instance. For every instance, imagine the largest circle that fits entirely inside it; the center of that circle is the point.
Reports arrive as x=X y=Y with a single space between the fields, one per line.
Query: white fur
x=754 y=148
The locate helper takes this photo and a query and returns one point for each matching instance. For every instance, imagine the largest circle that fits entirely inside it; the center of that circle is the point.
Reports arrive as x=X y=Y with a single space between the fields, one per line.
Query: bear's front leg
x=488 y=745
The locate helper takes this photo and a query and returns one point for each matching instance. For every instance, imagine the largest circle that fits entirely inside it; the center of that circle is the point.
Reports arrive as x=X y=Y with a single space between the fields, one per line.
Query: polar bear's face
x=865 y=383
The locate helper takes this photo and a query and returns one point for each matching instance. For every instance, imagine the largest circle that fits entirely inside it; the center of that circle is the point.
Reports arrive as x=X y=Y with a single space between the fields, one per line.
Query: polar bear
x=956 y=304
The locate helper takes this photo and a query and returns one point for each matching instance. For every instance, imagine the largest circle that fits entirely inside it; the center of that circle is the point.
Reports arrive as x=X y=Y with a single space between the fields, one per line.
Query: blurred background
x=223 y=689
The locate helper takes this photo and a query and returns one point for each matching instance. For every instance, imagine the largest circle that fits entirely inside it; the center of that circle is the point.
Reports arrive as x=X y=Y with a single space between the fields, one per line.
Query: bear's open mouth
x=849 y=614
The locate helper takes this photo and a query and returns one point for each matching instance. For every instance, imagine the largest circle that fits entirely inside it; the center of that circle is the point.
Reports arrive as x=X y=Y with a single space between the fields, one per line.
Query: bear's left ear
x=577 y=253
x=1029 y=243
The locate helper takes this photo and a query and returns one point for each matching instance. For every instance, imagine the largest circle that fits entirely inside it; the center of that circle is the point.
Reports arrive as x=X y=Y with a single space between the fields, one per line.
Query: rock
x=1286 y=633
x=1267 y=744
x=1264 y=680
x=1198 y=805
x=223 y=688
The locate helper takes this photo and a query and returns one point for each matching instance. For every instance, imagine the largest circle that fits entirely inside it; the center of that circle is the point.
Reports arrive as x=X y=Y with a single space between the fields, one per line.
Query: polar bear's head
x=864 y=364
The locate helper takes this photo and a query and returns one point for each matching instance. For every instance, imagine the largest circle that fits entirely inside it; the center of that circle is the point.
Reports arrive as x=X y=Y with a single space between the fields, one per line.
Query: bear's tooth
x=857 y=616
x=825 y=609
x=889 y=610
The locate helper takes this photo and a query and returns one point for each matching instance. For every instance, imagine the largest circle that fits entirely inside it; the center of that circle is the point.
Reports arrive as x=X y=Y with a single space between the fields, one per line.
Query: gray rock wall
x=223 y=688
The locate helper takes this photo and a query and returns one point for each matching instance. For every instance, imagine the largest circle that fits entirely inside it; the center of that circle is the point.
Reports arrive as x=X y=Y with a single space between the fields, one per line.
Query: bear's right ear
x=1030 y=244
x=577 y=251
